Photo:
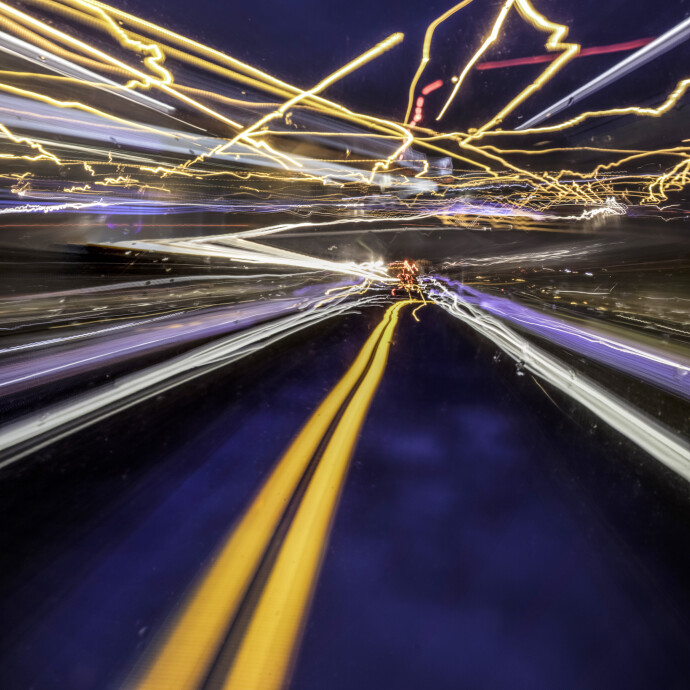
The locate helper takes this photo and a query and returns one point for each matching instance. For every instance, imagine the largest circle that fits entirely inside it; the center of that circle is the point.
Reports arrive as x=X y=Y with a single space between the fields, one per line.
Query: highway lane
x=101 y=517
x=275 y=549
x=492 y=536
x=484 y=534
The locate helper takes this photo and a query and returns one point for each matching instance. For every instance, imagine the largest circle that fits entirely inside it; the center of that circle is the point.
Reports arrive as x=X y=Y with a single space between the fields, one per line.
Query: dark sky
x=303 y=41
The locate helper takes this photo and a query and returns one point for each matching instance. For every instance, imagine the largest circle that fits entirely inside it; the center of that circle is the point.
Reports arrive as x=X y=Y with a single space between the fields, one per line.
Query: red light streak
x=406 y=274
x=432 y=87
x=596 y=50
x=533 y=60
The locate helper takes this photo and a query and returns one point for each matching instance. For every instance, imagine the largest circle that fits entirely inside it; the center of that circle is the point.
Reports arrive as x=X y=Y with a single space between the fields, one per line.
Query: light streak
x=555 y=42
x=650 y=435
x=34 y=431
x=671 y=100
x=139 y=77
x=429 y=88
x=584 y=52
x=39 y=344
x=490 y=39
x=139 y=161
x=660 y=45
x=42 y=153
x=196 y=141
x=351 y=66
x=244 y=251
x=85 y=357
x=53 y=208
x=426 y=48
x=154 y=56
x=187 y=652
x=73 y=104
x=283 y=227
x=644 y=362
x=15 y=46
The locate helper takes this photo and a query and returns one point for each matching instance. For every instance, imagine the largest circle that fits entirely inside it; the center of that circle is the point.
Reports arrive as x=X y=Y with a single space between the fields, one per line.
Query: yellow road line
x=187 y=651
x=264 y=657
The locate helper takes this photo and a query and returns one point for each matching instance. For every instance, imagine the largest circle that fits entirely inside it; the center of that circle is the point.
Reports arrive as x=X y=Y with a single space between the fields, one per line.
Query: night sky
x=303 y=41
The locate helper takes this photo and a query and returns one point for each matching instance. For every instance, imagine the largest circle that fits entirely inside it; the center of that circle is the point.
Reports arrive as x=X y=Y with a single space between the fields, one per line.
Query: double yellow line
x=191 y=651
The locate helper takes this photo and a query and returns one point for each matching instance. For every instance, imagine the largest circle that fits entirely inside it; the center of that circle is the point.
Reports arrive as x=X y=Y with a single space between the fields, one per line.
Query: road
x=486 y=531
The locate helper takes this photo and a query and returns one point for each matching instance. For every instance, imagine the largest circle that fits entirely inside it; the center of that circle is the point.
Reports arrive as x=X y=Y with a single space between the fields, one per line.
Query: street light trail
x=657 y=439
x=48 y=424
x=667 y=370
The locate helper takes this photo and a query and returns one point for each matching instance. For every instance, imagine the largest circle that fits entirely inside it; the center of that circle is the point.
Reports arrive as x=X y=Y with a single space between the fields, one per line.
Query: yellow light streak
x=191 y=644
x=671 y=100
x=677 y=178
x=78 y=105
x=555 y=42
x=42 y=153
x=491 y=38
x=426 y=49
x=151 y=44
x=325 y=105
x=351 y=66
x=154 y=55
x=269 y=645
x=80 y=45
x=416 y=309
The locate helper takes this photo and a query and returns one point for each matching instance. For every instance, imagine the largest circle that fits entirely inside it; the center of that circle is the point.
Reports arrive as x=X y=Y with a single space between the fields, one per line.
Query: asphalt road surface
x=487 y=532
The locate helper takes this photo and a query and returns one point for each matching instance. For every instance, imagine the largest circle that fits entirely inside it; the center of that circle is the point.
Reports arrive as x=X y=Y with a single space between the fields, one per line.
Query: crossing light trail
x=276 y=548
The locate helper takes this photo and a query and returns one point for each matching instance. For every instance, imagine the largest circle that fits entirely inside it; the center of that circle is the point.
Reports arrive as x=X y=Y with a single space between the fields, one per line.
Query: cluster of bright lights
x=137 y=130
